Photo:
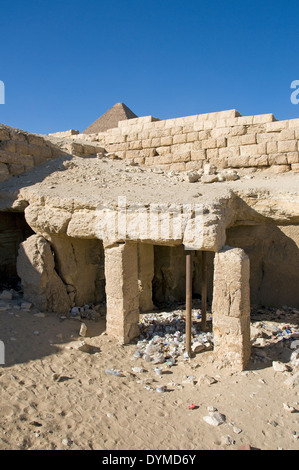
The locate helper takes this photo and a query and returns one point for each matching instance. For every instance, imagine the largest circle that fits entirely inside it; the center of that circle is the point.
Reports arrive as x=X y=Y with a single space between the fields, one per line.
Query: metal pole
x=204 y=290
x=188 y=301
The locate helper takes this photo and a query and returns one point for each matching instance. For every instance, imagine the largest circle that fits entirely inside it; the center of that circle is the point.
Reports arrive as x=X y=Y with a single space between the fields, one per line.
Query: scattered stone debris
x=83 y=330
x=87 y=312
x=215 y=418
x=162 y=337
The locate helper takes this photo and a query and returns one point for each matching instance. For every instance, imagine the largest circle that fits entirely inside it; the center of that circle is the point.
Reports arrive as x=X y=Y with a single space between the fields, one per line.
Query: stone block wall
x=225 y=139
x=21 y=151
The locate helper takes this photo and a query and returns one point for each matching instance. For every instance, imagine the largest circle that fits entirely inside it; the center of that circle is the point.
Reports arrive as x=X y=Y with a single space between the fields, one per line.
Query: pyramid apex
x=110 y=119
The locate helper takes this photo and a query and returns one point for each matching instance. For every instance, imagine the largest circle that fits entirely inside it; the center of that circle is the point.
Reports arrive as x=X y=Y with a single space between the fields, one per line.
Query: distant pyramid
x=118 y=112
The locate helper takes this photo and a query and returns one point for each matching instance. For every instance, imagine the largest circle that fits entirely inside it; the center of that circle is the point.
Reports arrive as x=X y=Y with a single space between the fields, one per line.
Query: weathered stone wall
x=225 y=139
x=274 y=259
x=21 y=151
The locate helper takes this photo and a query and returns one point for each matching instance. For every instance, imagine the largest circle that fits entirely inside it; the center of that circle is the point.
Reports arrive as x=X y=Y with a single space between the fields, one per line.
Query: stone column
x=145 y=276
x=122 y=296
x=231 y=308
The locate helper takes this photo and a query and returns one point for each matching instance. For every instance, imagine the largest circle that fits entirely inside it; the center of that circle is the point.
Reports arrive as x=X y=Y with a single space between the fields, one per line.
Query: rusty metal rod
x=188 y=301
x=204 y=290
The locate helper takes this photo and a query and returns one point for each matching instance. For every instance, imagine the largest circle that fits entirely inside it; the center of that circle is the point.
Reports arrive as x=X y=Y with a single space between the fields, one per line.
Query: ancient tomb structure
x=113 y=216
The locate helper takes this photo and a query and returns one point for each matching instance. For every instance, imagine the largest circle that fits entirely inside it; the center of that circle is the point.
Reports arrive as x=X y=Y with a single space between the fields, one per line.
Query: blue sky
x=64 y=63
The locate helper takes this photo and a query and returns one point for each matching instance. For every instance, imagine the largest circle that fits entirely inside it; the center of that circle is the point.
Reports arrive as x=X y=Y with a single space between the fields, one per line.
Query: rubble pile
x=162 y=337
x=275 y=337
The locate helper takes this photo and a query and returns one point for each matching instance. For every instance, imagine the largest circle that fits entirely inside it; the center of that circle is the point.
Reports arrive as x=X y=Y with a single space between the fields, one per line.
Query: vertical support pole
x=204 y=290
x=188 y=301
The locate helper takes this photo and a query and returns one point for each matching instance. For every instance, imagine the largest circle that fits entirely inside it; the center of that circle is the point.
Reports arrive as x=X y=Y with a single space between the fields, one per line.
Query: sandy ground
x=89 y=409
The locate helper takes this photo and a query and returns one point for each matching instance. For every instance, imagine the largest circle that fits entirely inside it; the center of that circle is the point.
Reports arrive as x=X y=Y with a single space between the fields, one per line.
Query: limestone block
x=166 y=140
x=80 y=264
x=293 y=157
x=176 y=130
x=143 y=135
x=9 y=157
x=181 y=157
x=197 y=145
x=15 y=169
x=221 y=142
x=248 y=139
x=192 y=136
x=8 y=145
x=47 y=219
x=277 y=126
x=122 y=295
x=238 y=130
x=280 y=168
x=212 y=154
x=146 y=143
x=163 y=150
x=209 y=144
x=220 y=132
x=259 y=160
x=182 y=148
x=210 y=124
x=4 y=172
x=267 y=137
x=41 y=284
x=194 y=165
x=135 y=145
x=272 y=147
x=204 y=135
x=234 y=141
x=4 y=134
x=164 y=159
x=262 y=118
x=179 y=139
x=277 y=159
x=155 y=133
x=227 y=152
x=131 y=136
x=207 y=229
x=249 y=150
x=178 y=166
x=231 y=307
x=156 y=142
x=198 y=155
x=287 y=146
x=293 y=123
x=287 y=134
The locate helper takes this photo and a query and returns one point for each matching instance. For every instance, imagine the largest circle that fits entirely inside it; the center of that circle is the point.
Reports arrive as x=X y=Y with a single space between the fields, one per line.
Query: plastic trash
x=114 y=372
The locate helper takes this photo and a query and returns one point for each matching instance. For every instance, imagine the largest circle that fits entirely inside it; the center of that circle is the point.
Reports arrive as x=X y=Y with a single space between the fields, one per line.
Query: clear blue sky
x=64 y=63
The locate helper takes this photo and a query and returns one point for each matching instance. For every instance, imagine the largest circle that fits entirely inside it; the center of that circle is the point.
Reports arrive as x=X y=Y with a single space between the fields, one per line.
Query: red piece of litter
x=191 y=407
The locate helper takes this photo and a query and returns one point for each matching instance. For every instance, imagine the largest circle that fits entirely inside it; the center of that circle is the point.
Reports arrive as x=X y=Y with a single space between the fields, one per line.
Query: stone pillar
x=122 y=295
x=145 y=276
x=41 y=284
x=231 y=308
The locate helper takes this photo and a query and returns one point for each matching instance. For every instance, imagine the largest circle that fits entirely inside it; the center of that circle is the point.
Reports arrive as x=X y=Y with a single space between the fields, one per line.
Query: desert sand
x=56 y=397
